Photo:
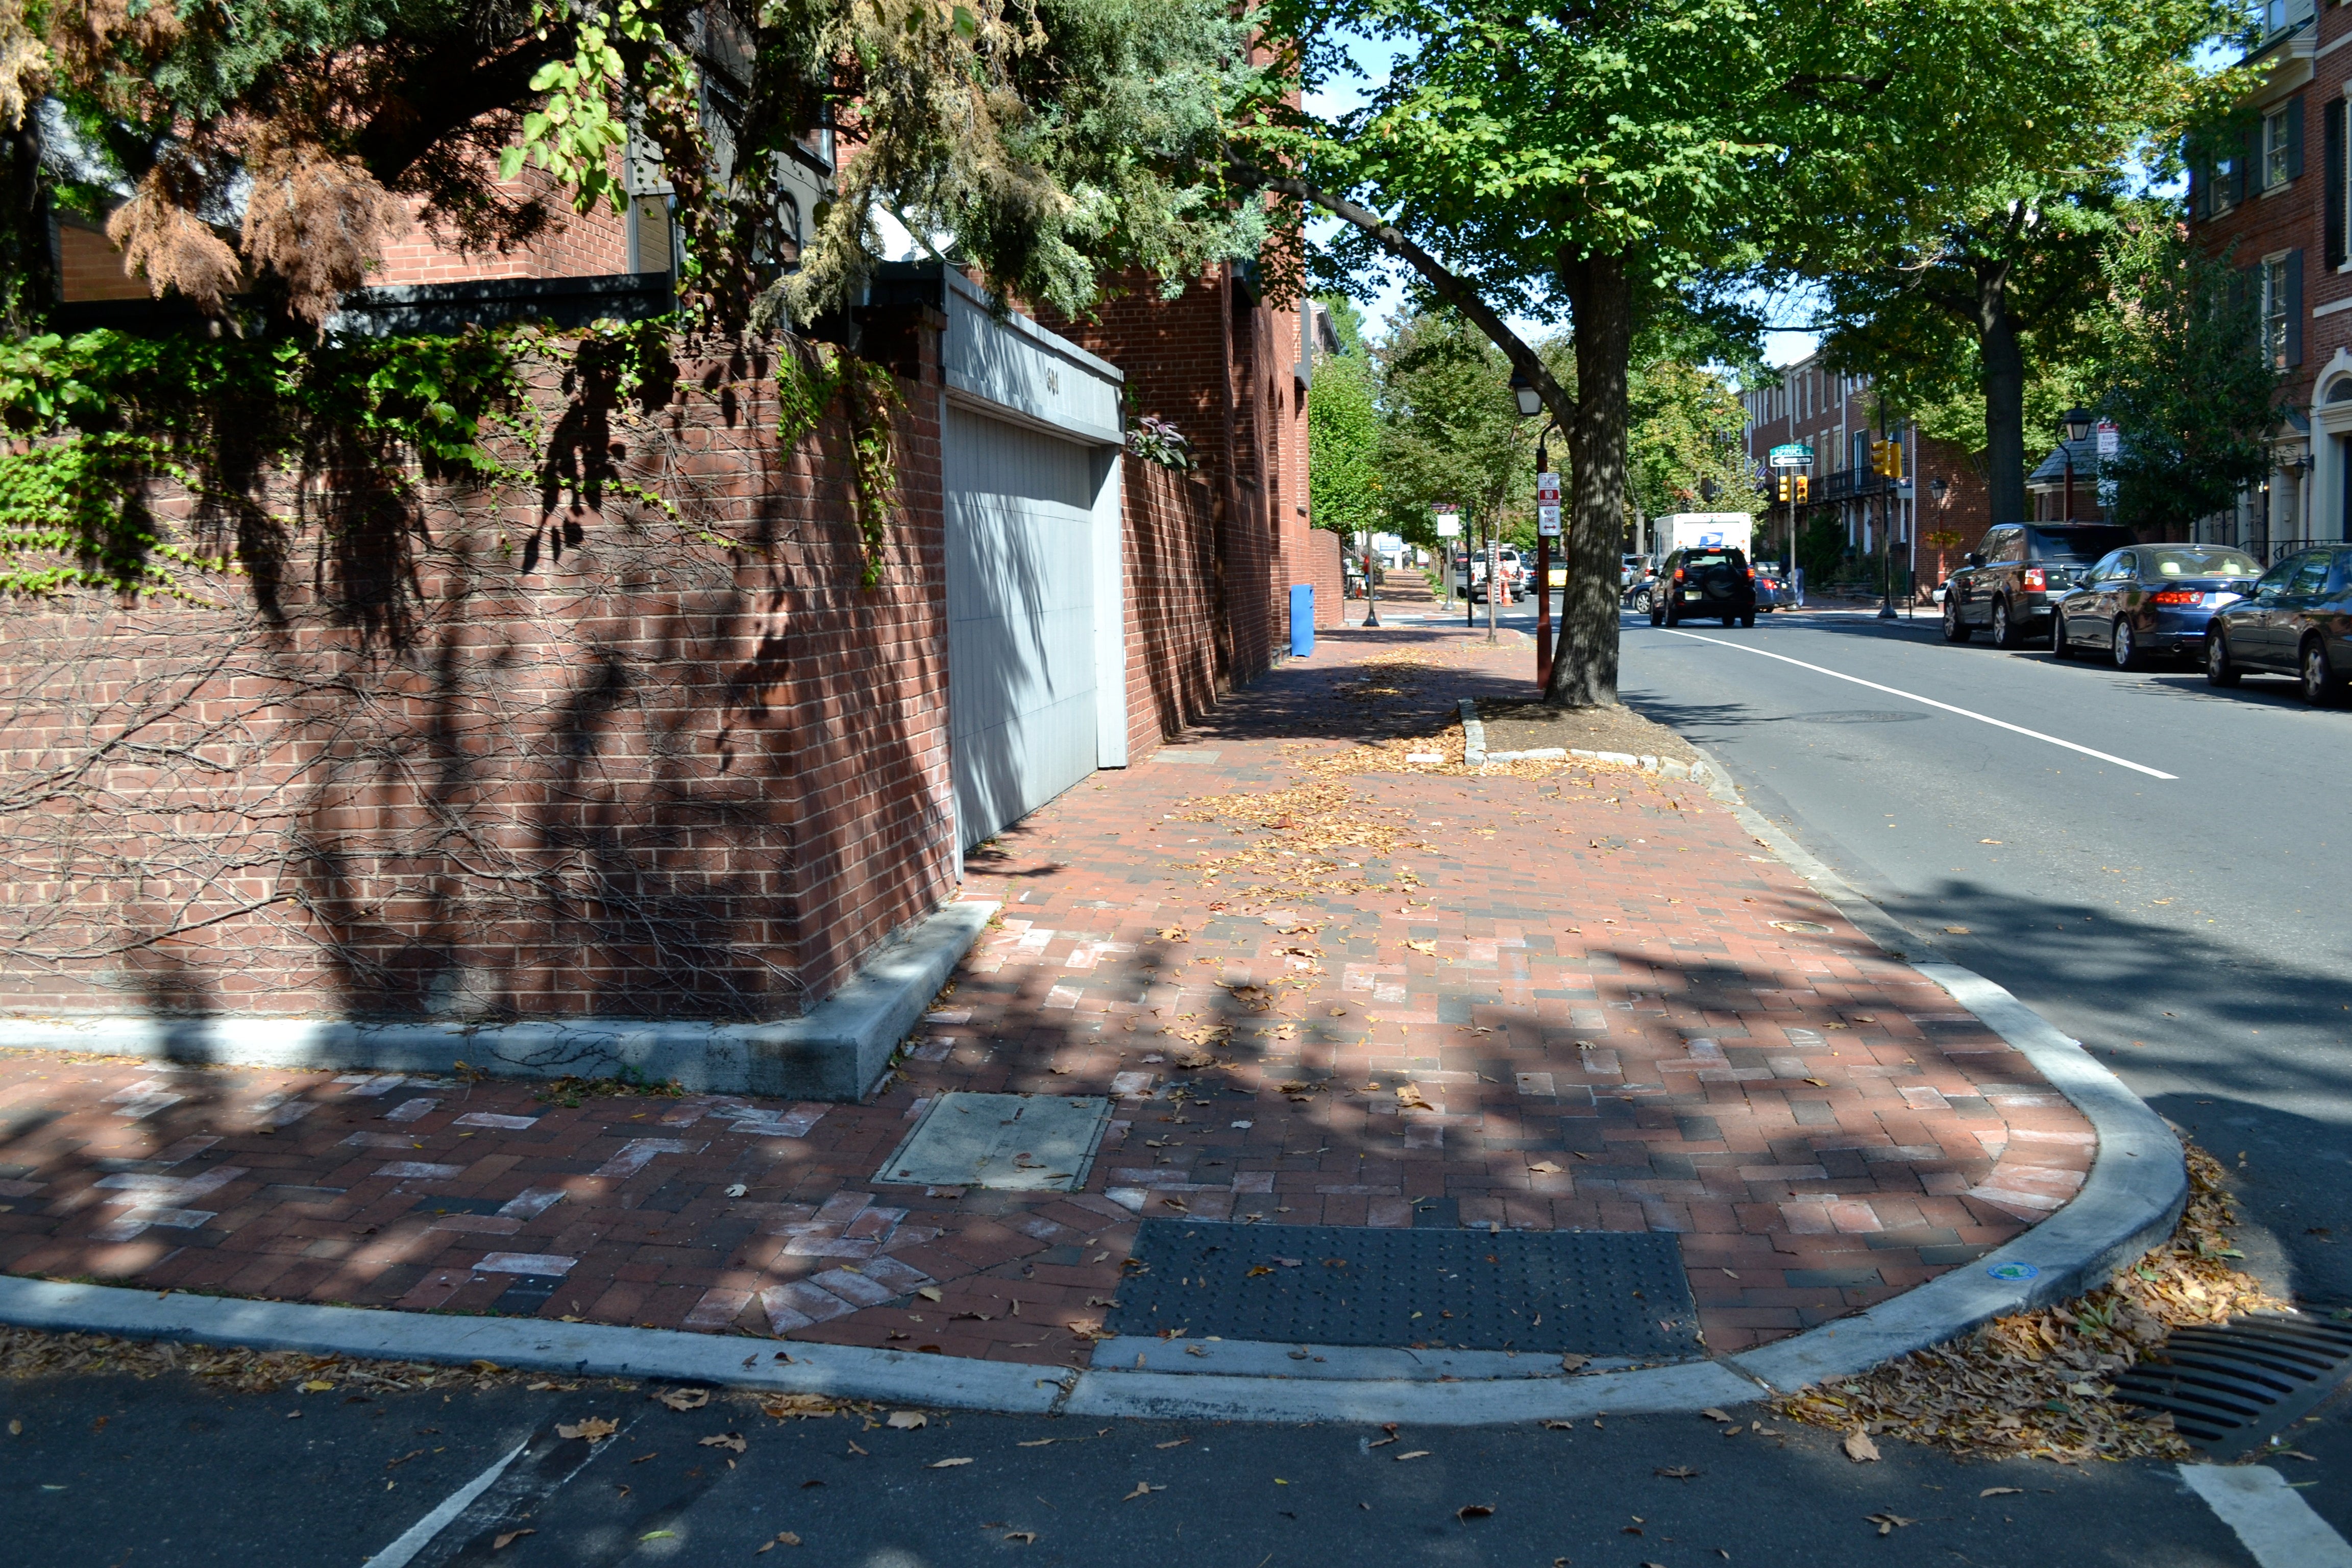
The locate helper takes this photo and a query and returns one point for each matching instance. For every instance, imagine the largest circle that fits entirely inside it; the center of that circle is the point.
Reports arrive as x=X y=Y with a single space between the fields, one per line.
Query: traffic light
x=1784 y=487
x=1887 y=458
x=1804 y=485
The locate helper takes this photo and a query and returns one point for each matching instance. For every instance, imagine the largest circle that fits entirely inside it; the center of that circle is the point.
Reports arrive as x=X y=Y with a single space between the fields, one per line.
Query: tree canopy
x=269 y=149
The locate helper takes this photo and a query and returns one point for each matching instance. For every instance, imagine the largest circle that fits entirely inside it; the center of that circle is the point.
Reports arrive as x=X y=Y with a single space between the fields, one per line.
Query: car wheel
x=2059 y=648
x=2219 y=670
x=1749 y=619
x=2124 y=644
x=1955 y=628
x=2004 y=630
x=2319 y=686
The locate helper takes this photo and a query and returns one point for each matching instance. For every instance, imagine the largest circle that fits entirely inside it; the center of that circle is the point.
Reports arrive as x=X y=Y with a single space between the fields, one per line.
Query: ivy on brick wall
x=89 y=422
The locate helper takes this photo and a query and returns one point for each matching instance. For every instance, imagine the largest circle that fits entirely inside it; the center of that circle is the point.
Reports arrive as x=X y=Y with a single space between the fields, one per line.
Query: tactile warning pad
x=1593 y=1292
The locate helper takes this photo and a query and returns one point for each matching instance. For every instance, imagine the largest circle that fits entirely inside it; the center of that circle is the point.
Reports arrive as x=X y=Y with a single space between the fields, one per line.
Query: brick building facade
x=1933 y=524
x=2273 y=200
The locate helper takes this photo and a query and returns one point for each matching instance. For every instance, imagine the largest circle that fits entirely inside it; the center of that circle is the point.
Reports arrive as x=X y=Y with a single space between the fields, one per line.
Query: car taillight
x=1678 y=574
x=2178 y=596
x=2036 y=578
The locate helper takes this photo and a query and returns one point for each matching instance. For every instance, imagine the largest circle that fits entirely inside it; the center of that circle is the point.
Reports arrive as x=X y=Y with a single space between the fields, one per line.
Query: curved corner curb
x=2137 y=1188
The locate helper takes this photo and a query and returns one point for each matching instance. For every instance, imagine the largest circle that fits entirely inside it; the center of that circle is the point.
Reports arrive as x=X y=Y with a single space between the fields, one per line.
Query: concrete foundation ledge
x=838 y=1050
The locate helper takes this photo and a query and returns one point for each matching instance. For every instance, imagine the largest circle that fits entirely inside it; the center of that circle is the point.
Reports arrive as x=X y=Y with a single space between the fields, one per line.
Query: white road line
x=2277 y=1528
x=420 y=1535
x=1931 y=702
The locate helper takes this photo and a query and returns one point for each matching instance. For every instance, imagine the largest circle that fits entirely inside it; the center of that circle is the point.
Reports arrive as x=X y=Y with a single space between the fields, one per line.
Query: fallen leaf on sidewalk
x=1712 y=1413
x=1416 y=1454
x=1176 y=1444
x=505 y=1538
x=946 y=1464
x=1987 y=840
x=1409 y=1099
x=1469 y=1511
x=2001 y=1491
x=1546 y=1168
x=1557 y=1426
x=907 y=1420
x=1142 y=1489
x=1888 y=1523
x=783 y=1407
x=317 y=1386
x=1256 y=1270
x=733 y=1442
x=1025 y=1537
x=682 y=1398
x=1956 y=931
x=1174 y=934
x=1428 y=947
x=1858 y=1447
x=930 y=1294
x=1819 y=1082
x=1573 y=1363
x=595 y=1430
x=786 y=1538
x=1676 y=1472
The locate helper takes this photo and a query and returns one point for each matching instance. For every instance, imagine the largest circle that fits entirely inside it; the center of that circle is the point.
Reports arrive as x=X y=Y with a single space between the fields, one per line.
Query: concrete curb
x=2135 y=1191
x=836 y=1051
x=1475 y=754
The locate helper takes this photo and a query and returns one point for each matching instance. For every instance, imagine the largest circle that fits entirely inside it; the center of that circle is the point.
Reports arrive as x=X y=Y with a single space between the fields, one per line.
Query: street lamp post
x=1371 y=593
x=2077 y=425
x=1530 y=404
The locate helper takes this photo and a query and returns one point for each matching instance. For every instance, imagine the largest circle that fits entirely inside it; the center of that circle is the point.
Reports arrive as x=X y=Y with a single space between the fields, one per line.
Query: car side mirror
x=1975 y=558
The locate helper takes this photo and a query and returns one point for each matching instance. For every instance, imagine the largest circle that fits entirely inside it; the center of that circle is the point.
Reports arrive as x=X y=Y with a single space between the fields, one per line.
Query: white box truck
x=1704 y=531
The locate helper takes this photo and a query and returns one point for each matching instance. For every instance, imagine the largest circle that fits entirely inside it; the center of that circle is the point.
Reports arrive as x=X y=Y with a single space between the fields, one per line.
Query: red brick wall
x=497 y=753
x=1172 y=603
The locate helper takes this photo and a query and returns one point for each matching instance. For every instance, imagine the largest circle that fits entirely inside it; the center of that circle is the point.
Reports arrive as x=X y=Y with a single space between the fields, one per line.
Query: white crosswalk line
x=2272 y=1521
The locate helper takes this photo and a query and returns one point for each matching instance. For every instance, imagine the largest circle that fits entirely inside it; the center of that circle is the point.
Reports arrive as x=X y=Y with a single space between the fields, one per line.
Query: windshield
x=1698 y=558
x=2079 y=544
x=2198 y=561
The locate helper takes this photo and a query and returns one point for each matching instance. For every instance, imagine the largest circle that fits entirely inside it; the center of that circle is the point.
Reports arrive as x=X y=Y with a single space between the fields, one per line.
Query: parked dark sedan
x=2152 y=599
x=2297 y=621
x=2008 y=581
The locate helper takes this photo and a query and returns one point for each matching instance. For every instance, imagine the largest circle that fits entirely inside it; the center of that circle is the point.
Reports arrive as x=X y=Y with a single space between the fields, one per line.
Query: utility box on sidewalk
x=1302 y=619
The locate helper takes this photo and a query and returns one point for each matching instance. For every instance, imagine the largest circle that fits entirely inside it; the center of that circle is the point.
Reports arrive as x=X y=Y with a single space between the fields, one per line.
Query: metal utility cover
x=1595 y=1293
x=1016 y=1143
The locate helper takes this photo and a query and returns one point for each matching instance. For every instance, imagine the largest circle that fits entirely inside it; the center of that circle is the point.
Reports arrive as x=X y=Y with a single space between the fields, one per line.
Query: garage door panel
x=1023 y=715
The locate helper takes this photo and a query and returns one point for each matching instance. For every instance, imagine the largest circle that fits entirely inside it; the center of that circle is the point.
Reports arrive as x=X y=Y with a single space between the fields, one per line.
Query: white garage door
x=1021 y=715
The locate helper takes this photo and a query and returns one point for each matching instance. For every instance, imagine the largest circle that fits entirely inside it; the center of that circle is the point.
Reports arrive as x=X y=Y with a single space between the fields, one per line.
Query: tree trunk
x=24 y=250
x=1584 y=661
x=2005 y=395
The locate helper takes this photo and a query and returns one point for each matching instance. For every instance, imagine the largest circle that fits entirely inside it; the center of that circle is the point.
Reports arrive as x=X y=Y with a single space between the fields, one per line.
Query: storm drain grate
x=1597 y=1293
x=2231 y=1388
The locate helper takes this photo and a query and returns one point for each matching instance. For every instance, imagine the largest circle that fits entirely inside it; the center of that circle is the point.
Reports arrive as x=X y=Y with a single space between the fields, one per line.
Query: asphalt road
x=2187 y=928
x=112 y=1472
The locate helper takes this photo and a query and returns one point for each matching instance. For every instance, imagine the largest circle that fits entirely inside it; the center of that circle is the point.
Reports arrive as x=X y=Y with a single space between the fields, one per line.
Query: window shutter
x=2331 y=157
x=2201 y=193
x=2249 y=149
x=2294 y=306
x=2295 y=137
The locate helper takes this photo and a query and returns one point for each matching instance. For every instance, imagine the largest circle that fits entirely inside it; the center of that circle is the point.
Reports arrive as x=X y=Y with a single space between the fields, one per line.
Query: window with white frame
x=2277 y=167
x=2274 y=308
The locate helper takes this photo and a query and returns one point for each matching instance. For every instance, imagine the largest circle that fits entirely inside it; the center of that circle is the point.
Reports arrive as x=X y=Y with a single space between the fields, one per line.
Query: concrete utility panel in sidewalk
x=1012 y=1143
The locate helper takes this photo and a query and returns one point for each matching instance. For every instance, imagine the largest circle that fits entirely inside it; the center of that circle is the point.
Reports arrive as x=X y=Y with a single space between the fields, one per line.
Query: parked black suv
x=1714 y=582
x=2017 y=570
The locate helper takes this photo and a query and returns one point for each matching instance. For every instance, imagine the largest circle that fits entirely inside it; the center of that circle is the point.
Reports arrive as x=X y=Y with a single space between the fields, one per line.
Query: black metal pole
x=1371 y=594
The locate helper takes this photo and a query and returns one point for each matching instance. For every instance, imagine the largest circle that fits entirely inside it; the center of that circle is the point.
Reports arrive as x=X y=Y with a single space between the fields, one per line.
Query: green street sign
x=1791 y=455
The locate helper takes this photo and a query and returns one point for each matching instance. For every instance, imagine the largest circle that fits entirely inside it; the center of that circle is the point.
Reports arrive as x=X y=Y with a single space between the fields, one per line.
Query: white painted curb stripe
x=1931 y=702
x=2278 y=1529
x=419 y=1536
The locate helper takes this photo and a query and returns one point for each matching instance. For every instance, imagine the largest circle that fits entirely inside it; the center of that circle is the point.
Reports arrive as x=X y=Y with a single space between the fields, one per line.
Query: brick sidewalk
x=1544 y=997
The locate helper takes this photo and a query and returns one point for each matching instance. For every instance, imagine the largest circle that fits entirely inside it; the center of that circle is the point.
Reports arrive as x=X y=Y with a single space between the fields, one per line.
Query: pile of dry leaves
x=1317 y=831
x=2034 y=1383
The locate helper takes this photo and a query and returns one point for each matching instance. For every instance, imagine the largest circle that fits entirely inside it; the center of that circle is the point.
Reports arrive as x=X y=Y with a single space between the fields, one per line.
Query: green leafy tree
x=1450 y=430
x=1686 y=451
x=1627 y=168
x=2179 y=350
x=271 y=151
x=1963 y=242
x=1343 y=436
